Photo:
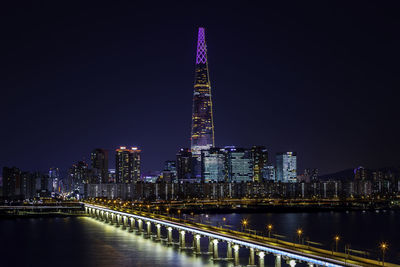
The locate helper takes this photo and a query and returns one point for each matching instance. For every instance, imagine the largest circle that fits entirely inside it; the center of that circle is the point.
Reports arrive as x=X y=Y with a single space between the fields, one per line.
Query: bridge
x=56 y=209
x=290 y=253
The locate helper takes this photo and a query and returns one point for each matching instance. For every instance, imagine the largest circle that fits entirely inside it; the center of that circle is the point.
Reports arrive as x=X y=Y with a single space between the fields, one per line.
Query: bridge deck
x=288 y=249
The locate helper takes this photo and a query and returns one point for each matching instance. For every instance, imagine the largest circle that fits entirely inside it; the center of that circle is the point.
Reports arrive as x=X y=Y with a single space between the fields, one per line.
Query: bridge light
x=269 y=228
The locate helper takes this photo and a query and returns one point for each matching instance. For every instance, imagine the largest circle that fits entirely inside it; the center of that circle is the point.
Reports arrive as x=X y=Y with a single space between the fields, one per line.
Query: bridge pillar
x=86 y=209
x=215 y=252
x=278 y=260
x=291 y=263
x=229 y=250
x=140 y=225
x=182 y=242
x=117 y=220
x=112 y=218
x=102 y=215
x=210 y=245
x=236 y=255
x=132 y=224
x=251 y=257
x=158 y=231
x=197 y=244
x=261 y=256
x=310 y=264
x=148 y=228
x=169 y=242
x=124 y=222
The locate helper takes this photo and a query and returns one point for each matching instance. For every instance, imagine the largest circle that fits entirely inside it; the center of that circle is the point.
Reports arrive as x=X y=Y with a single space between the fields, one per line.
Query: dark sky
x=316 y=77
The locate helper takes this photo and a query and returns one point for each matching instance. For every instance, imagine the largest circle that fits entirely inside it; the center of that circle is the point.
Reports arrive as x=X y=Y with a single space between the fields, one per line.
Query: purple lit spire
x=201 y=57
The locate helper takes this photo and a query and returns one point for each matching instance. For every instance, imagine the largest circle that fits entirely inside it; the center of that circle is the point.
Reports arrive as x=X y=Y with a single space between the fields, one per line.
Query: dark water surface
x=81 y=241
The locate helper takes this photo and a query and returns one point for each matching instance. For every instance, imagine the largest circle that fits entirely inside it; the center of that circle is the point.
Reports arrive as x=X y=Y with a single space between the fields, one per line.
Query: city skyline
x=62 y=107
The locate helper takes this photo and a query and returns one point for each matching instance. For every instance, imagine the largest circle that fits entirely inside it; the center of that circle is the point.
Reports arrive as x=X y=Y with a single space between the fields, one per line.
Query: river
x=83 y=241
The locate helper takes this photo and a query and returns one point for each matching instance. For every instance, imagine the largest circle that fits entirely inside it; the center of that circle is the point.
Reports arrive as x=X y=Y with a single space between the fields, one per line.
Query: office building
x=213 y=165
x=260 y=159
x=286 y=167
x=99 y=165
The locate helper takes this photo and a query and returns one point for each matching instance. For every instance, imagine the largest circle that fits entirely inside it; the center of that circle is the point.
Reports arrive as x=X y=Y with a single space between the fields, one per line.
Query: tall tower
x=202 y=137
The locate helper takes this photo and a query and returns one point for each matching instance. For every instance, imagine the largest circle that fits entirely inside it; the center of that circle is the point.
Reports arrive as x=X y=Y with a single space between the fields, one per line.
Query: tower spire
x=201 y=56
x=202 y=136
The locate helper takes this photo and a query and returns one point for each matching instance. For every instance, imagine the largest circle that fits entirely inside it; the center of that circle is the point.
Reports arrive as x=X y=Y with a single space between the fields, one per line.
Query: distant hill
x=348 y=174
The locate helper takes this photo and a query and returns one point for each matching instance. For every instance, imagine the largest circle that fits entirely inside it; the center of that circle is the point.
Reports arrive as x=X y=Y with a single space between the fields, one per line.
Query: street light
x=337 y=238
x=384 y=246
x=244 y=223
x=299 y=233
x=179 y=213
x=269 y=228
x=223 y=221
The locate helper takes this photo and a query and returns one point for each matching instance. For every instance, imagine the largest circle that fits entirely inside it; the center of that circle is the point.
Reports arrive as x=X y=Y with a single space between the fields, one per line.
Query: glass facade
x=269 y=173
x=213 y=165
x=239 y=164
x=286 y=167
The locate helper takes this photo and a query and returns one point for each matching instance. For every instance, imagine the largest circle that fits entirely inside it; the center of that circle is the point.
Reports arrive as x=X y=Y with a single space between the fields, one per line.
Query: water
x=82 y=241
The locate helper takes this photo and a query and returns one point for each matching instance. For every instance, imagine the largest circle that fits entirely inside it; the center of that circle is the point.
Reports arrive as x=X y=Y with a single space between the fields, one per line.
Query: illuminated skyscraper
x=286 y=167
x=202 y=117
x=260 y=160
x=127 y=164
x=239 y=164
x=213 y=165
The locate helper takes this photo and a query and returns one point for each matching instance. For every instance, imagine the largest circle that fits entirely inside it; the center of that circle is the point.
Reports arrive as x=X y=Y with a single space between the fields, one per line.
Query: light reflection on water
x=87 y=242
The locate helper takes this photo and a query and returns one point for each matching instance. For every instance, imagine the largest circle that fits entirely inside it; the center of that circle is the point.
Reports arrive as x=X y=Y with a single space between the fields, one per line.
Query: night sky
x=320 y=78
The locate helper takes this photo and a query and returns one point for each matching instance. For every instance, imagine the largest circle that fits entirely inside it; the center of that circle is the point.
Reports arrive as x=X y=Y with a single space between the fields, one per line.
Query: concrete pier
x=236 y=255
x=278 y=260
x=215 y=246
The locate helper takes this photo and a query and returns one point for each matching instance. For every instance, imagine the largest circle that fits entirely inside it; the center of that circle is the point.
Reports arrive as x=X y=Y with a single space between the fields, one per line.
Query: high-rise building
x=28 y=185
x=184 y=164
x=286 y=167
x=360 y=173
x=311 y=175
x=99 y=165
x=268 y=173
x=78 y=176
x=127 y=165
x=54 y=179
x=169 y=173
x=260 y=159
x=202 y=136
x=11 y=183
x=239 y=163
x=213 y=165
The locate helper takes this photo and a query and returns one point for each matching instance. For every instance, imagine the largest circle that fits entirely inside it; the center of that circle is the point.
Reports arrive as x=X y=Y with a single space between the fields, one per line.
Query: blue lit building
x=239 y=163
x=213 y=165
x=268 y=173
x=286 y=167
